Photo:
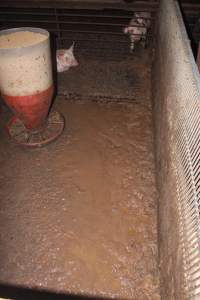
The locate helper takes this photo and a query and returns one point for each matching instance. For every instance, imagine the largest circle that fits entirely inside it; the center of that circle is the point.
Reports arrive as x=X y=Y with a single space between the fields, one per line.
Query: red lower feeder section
x=32 y=126
x=32 y=110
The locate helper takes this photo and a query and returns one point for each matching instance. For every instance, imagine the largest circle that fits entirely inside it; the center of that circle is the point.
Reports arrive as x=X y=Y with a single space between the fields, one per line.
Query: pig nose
x=75 y=63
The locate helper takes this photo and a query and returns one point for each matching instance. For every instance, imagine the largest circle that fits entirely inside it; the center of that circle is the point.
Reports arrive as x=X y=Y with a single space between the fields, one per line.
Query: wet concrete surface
x=80 y=215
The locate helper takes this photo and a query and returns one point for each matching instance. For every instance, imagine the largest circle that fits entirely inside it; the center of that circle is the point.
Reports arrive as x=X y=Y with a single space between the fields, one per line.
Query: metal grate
x=83 y=20
x=181 y=95
x=92 y=29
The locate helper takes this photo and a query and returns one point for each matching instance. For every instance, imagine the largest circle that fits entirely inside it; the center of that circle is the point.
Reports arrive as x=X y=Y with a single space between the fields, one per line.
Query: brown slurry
x=80 y=215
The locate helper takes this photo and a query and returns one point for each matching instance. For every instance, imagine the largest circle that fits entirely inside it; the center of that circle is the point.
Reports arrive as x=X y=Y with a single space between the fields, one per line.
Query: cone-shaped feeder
x=26 y=86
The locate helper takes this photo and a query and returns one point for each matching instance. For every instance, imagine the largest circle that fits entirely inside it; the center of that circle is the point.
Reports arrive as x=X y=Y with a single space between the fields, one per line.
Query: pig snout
x=74 y=63
x=126 y=30
x=130 y=30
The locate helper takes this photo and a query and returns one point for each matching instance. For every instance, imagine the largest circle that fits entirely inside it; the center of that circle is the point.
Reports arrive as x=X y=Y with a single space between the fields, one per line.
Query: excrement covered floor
x=80 y=215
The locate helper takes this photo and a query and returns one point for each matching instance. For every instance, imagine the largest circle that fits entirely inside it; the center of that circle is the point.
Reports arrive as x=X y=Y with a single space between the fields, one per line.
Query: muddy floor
x=79 y=216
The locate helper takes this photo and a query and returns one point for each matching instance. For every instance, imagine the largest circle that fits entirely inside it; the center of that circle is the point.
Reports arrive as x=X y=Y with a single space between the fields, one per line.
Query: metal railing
x=101 y=28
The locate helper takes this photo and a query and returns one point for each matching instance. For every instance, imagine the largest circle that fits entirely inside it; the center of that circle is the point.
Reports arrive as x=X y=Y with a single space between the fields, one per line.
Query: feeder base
x=29 y=138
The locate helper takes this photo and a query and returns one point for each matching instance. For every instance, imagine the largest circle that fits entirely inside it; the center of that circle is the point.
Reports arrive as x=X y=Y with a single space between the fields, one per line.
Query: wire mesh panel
x=93 y=30
x=179 y=104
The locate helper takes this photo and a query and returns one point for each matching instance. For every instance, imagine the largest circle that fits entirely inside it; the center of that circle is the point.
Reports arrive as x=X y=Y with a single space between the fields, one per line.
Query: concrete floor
x=80 y=215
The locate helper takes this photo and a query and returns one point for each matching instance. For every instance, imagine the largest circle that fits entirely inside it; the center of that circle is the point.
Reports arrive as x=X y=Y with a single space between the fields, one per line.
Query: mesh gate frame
x=177 y=100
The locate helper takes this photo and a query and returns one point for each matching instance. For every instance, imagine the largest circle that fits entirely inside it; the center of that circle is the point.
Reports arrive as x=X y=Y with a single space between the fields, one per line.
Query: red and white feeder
x=26 y=85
